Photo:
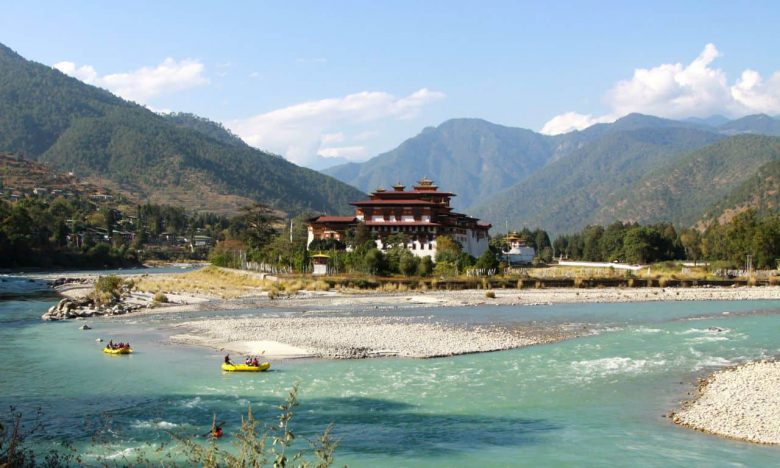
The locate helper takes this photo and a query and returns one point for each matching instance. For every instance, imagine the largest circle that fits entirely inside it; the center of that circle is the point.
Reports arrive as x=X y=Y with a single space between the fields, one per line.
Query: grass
x=225 y=283
x=209 y=281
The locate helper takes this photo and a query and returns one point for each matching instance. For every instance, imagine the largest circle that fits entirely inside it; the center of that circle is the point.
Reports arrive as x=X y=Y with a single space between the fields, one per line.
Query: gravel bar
x=740 y=403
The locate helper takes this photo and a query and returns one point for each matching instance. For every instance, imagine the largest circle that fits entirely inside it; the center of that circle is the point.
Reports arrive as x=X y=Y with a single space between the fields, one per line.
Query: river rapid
x=589 y=401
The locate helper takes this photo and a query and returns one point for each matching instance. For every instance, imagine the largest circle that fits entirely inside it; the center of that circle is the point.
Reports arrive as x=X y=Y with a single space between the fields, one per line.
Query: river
x=589 y=401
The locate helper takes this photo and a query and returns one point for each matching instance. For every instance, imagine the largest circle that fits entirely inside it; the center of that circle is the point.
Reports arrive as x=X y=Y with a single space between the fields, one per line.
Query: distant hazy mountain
x=621 y=170
x=760 y=124
x=52 y=118
x=711 y=121
x=470 y=157
x=320 y=163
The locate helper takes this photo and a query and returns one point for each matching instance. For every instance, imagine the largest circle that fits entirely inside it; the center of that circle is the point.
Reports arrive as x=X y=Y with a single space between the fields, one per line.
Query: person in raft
x=227 y=359
x=254 y=362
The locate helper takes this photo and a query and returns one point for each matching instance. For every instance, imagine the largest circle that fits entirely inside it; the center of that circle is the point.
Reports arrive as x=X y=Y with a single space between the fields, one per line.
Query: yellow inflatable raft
x=118 y=350
x=264 y=366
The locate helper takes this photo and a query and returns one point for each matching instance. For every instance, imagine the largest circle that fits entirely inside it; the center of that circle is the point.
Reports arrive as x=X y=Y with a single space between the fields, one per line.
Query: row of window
x=403 y=228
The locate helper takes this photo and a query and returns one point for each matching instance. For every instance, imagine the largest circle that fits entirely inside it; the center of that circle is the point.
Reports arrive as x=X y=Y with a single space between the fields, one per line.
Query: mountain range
x=179 y=159
x=639 y=168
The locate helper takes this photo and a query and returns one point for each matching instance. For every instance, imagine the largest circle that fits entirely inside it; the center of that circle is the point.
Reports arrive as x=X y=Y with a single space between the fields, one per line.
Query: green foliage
x=488 y=260
x=408 y=263
x=108 y=284
x=445 y=269
x=629 y=243
x=447 y=250
x=747 y=234
x=327 y=244
x=425 y=267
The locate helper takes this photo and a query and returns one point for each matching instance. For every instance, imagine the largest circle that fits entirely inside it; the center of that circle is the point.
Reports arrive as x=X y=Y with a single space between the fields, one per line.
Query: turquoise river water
x=592 y=401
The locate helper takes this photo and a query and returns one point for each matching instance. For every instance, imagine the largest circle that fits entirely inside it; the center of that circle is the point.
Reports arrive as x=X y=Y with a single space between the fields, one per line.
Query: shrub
x=109 y=284
x=161 y=298
x=490 y=294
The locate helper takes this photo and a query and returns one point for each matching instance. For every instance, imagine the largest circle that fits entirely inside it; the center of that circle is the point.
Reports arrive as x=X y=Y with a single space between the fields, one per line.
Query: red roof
x=335 y=219
x=412 y=193
x=394 y=202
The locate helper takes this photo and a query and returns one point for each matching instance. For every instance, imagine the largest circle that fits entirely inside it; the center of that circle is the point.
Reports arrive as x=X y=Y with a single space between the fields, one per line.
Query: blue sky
x=354 y=79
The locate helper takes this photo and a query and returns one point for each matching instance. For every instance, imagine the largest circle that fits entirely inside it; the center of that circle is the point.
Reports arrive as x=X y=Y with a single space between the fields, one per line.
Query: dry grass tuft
x=210 y=281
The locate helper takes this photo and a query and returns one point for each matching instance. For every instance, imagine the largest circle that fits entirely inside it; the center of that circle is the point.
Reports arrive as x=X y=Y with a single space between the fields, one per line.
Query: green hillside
x=760 y=192
x=214 y=130
x=470 y=157
x=48 y=116
x=682 y=190
x=568 y=193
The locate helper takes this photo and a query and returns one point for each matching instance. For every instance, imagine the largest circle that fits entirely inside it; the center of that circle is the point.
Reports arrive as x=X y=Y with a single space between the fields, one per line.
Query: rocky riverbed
x=361 y=337
x=741 y=403
x=86 y=307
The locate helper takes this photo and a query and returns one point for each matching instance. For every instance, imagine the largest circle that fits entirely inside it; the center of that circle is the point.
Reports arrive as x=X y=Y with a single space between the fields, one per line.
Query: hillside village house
x=422 y=213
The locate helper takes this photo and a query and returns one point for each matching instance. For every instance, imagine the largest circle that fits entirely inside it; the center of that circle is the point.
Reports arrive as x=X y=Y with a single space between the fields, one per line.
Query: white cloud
x=571 y=121
x=365 y=136
x=85 y=73
x=342 y=152
x=302 y=131
x=757 y=95
x=145 y=83
x=328 y=138
x=678 y=91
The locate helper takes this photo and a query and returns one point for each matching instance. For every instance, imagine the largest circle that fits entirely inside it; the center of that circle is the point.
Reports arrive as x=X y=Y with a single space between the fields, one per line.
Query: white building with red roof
x=422 y=214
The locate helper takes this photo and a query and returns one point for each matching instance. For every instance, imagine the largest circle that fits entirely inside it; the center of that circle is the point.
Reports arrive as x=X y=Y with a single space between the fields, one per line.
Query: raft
x=264 y=366
x=118 y=350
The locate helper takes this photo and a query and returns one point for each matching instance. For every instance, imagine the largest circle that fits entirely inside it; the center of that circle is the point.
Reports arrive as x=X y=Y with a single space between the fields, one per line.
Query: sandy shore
x=741 y=403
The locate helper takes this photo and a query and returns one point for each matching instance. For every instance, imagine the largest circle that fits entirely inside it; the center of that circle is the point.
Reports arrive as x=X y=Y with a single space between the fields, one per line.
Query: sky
x=349 y=80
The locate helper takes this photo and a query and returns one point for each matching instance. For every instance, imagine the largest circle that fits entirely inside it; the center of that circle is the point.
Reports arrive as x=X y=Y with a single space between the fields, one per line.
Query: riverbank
x=351 y=300
x=740 y=403
x=320 y=335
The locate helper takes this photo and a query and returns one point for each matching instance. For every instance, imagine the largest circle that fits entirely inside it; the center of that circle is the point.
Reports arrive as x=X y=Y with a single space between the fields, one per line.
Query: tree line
x=746 y=235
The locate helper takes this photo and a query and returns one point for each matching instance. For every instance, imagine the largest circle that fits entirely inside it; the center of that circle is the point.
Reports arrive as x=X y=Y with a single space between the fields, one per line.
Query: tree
x=425 y=267
x=408 y=263
x=257 y=222
x=447 y=249
x=487 y=260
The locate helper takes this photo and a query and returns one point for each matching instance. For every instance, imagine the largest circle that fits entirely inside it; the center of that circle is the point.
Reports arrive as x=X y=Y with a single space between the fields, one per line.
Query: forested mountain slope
x=50 y=117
